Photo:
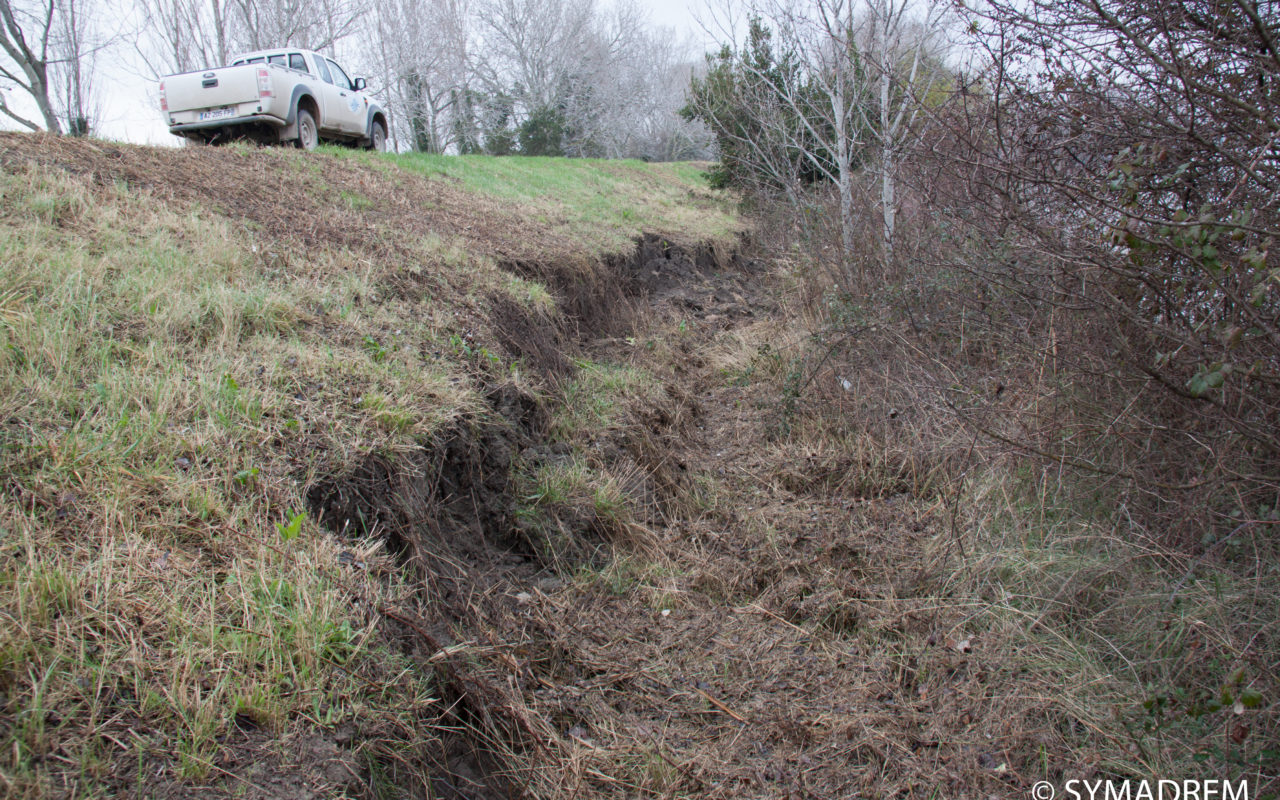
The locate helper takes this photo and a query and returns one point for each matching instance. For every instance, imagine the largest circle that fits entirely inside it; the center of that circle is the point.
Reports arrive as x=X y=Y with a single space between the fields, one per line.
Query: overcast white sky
x=129 y=108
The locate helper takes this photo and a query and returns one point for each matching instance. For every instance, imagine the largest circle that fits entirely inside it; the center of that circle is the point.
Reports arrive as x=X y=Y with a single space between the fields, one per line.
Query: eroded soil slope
x=340 y=475
x=757 y=628
x=252 y=402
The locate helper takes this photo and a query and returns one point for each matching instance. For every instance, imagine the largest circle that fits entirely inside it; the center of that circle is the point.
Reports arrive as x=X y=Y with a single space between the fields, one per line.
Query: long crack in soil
x=744 y=653
x=755 y=638
x=701 y=672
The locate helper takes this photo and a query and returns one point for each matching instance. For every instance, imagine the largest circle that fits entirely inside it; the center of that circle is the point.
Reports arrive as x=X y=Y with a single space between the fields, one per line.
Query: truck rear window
x=277 y=59
x=296 y=61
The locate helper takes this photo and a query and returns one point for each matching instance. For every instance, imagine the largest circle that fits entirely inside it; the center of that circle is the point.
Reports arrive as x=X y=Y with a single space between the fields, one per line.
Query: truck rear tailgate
x=211 y=89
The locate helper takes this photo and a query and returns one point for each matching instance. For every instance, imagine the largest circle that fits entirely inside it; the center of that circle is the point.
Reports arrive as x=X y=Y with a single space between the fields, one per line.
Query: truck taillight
x=264 y=83
x=164 y=101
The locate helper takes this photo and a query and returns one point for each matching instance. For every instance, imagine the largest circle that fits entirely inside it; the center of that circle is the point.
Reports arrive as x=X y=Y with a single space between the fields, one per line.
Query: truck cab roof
x=261 y=56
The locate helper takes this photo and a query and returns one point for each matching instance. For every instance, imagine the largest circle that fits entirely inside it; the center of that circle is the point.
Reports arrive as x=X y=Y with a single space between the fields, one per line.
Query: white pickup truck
x=281 y=95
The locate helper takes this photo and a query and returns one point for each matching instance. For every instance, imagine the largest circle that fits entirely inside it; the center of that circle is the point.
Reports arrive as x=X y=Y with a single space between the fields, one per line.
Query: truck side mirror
x=359 y=84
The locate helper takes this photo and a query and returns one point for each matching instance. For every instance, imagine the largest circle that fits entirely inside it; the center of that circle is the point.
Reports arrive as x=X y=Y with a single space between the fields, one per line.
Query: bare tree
x=314 y=24
x=27 y=38
x=77 y=41
x=626 y=88
x=832 y=85
x=825 y=37
x=184 y=35
x=532 y=44
x=422 y=48
x=532 y=76
x=738 y=96
x=661 y=133
x=904 y=39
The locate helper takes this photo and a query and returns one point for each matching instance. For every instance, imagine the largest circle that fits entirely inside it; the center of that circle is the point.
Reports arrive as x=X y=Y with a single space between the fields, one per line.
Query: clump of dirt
x=447 y=504
x=538 y=340
x=594 y=299
x=608 y=298
x=665 y=269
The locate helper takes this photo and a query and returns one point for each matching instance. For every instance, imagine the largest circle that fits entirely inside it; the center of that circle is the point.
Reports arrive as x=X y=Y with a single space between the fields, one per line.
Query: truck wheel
x=378 y=138
x=308 y=133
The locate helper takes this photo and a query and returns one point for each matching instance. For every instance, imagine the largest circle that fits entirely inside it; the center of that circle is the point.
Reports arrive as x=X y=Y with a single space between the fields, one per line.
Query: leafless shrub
x=1108 y=190
x=1072 y=361
x=1088 y=279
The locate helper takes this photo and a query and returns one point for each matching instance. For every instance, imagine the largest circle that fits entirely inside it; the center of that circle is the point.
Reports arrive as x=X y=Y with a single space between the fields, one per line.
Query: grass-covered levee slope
x=189 y=340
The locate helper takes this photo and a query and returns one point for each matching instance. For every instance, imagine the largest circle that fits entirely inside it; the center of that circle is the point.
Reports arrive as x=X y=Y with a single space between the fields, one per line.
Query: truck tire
x=378 y=137
x=308 y=132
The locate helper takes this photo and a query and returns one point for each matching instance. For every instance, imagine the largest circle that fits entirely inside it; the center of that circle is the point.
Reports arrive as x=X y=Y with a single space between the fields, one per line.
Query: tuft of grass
x=571 y=510
x=531 y=294
x=1149 y=664
x=355 y=201
x=595 y=400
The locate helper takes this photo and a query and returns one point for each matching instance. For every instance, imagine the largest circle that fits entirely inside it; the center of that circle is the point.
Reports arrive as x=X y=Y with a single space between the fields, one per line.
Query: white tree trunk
x=844 y=167
x=219 y=31
x=888 y=144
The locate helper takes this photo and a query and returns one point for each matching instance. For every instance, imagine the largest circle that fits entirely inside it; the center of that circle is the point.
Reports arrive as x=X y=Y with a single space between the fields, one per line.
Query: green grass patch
x=167 y=393
x=604 y=204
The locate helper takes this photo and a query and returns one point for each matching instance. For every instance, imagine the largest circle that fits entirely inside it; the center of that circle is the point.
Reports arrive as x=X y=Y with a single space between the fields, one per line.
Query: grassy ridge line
x=173 y=375
x=599 y=205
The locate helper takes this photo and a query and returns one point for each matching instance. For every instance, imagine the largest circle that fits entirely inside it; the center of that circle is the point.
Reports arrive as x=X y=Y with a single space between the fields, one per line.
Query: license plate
x=217 y=113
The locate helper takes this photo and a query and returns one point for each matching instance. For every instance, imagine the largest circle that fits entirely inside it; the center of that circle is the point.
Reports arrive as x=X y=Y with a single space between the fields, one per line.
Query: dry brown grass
x=1094 y=646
